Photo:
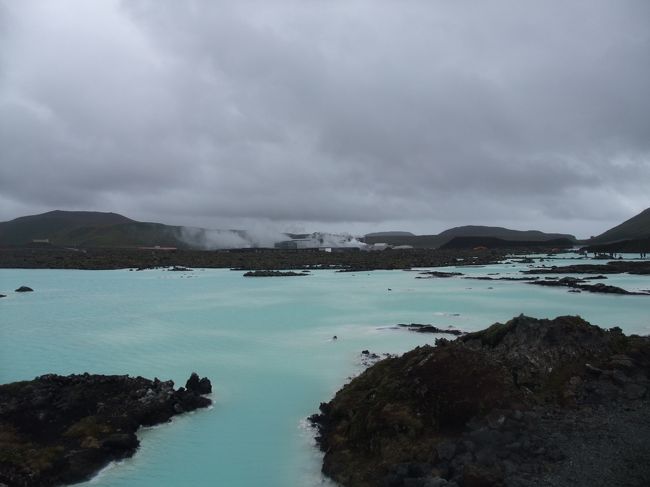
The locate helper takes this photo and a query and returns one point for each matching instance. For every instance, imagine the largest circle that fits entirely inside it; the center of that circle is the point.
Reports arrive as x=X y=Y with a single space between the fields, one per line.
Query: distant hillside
x=500 y=243
x=632 y=245
x=53 y=225
x=503 y=233
x=134 y=234
x=637 y=227
x=435 y=241
x=87 y=229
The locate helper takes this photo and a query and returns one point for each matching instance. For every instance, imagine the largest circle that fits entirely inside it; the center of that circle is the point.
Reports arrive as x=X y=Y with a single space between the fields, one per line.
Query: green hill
x=87 y=229
x=54 y=225
x=637 y=227
x=435 y=241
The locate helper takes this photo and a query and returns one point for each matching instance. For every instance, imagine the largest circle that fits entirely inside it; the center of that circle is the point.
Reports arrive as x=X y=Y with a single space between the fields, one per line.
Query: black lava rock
x=199 y=386
x=63 y=429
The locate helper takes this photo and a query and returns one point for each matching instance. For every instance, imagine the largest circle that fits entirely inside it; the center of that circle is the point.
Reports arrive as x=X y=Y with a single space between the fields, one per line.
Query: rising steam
x=204 y=239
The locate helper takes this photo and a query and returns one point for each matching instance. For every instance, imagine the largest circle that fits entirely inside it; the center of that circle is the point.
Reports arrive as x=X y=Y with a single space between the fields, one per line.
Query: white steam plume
x=259 y=237
x=201 y=238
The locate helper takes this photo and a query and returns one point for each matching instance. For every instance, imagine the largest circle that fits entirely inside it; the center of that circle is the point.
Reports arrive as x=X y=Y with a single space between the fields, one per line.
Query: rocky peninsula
x=267 y=273
x=613 y=267
x=577 y=285
x=428 y=328
x=526 y=403
x=57 y=430
x=432 y=274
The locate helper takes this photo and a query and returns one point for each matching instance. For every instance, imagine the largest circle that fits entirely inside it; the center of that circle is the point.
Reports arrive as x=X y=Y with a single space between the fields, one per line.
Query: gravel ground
x=607 y=446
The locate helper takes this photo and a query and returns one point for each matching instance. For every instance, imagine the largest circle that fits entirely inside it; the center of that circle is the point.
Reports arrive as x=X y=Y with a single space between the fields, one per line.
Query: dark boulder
x=199 y=386
x=121 y=442
x=24 y=289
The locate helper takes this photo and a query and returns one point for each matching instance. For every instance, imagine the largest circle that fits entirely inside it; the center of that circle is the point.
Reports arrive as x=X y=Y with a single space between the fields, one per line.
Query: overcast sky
x=328 y=115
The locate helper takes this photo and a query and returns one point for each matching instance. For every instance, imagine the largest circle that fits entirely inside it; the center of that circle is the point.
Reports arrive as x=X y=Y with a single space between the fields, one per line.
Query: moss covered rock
x=58 y=430
x=478 y=409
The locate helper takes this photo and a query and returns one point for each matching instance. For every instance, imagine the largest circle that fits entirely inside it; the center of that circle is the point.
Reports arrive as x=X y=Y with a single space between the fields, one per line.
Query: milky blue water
x=266 y=344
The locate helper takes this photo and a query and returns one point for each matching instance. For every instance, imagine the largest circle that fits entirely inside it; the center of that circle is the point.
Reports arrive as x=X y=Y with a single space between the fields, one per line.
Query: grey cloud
x=322 y=113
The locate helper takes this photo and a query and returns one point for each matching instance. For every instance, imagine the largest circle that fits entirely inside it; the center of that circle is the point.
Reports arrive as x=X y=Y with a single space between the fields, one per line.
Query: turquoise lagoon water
x=266 y=344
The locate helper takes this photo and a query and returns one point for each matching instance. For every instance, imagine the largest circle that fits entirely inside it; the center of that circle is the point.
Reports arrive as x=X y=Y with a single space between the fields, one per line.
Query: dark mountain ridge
x=499 y=243
x=87 y=229
x=637 y=227
x=436 y=241
x=105 y=229
x=504 y=233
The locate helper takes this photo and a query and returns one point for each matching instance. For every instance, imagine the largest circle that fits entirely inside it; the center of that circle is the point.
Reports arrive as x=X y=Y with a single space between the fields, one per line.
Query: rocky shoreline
x=530 y=402
x=577 y=285
x=240 y=259
x=613 y=267
x=574 y=284
x=57 y=430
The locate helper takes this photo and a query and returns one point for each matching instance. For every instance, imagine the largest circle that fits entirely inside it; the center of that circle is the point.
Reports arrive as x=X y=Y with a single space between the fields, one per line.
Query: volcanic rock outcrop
x=58 y=430
x=272 y=273
x=613 y=267
x=512 y=405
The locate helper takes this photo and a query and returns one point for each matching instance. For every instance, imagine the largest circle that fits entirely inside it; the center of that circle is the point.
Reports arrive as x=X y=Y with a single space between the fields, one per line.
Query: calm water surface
x=266 y=344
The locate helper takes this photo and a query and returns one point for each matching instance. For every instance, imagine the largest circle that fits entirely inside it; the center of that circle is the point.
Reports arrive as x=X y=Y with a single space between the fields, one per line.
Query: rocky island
x=57 y=430
x=613 y=267
x=270 y=273
x=576 y=285
x=431 y=274
x=526 y=403
x=427 y=328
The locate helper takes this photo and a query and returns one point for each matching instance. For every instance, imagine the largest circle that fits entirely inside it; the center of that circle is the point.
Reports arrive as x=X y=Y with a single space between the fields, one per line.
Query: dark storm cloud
x=333 y=113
